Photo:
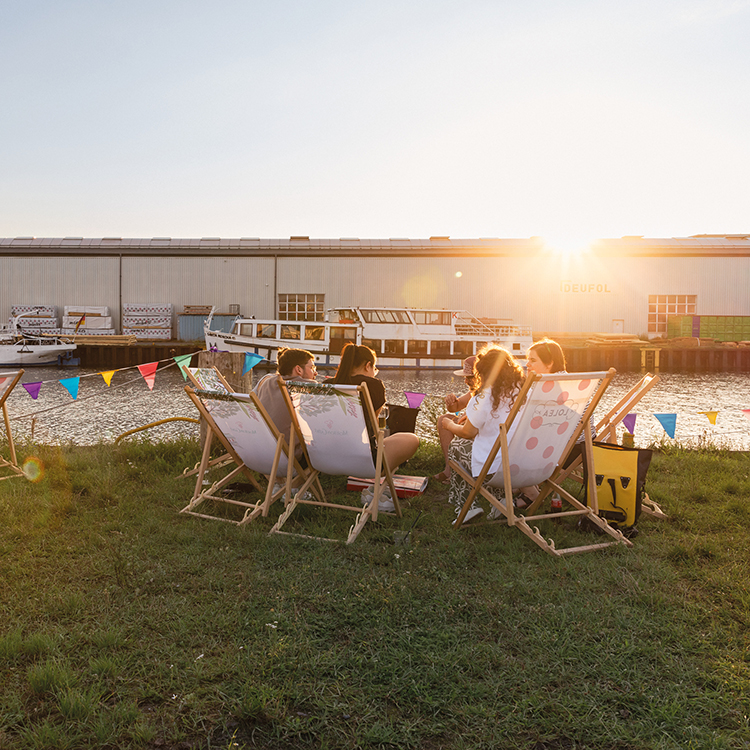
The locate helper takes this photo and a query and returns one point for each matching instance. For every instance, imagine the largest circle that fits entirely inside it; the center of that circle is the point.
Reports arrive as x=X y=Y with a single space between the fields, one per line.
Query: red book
x=405 y=486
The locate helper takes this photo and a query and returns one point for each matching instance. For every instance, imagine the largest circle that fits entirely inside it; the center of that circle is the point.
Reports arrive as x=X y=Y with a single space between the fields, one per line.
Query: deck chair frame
x=381 y=472
x=252 y=510
x=606 y=432
x=207 y=379
x=524 y=522
x=8 y=381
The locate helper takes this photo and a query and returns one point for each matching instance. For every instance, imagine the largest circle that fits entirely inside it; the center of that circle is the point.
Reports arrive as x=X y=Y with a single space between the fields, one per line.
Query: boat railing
x=467 y=324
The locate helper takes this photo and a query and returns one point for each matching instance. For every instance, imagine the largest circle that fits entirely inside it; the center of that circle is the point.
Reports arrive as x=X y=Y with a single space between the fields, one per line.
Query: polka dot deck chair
x=8 y=381
x=548 y=417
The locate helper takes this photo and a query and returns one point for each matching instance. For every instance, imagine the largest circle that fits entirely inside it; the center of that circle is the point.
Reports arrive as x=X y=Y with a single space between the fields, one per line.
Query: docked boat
x=402 y=337
x=25 y=348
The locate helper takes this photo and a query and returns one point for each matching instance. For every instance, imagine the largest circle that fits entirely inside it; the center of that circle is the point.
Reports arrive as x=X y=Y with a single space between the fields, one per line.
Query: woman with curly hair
x=500 y=378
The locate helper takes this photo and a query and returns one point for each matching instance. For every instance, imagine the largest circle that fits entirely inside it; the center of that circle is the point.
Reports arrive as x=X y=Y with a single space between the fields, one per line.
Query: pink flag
x=414 y=399
x=33 y=389
x=149 y=373
x=629 y=422
x=746 y=412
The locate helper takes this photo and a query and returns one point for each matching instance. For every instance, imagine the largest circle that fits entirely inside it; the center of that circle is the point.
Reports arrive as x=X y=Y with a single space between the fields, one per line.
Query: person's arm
x=464 y=429
x=457 y=403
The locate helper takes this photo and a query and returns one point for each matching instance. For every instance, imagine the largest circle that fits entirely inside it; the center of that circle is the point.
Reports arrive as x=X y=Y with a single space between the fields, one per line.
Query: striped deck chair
x=332 y=422
x=548 y=417
x=8 y=381
x=606 y=432
x=254 y=445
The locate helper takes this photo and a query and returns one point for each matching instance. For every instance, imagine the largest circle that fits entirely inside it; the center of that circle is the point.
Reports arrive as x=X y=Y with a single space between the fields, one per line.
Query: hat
x=468 y=370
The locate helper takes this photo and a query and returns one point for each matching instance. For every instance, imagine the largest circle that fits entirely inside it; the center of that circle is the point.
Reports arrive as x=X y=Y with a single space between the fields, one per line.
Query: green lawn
x=124 y=624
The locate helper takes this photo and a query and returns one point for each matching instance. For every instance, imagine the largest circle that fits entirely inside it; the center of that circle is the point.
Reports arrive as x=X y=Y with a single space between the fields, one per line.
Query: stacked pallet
x=197 y=310
x=42 y=319
x=148 y=322
x=87 y=320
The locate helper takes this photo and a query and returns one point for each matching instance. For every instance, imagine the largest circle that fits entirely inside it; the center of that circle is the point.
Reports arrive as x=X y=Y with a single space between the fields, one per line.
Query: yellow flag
x=108 y=376
x=711 y=415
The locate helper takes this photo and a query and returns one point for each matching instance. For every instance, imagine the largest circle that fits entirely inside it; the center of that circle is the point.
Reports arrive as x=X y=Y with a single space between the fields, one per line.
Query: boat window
x=301 y=306
x=391 y=346
x=385 y=316
x=417 y=347
x=432 y=317
x=314 y=333
x=266 y=331
x=440 y=348
x=341 y=336
x=374 y=344
x=464 y=348
x=246 y=329
x=290 y=332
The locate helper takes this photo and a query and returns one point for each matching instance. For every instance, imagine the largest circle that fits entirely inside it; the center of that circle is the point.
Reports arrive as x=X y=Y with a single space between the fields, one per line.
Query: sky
x=568 y=120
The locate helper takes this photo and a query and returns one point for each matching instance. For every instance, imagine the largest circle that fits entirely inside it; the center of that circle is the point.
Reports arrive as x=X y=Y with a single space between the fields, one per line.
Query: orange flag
x=149 y=373
x=710 y=415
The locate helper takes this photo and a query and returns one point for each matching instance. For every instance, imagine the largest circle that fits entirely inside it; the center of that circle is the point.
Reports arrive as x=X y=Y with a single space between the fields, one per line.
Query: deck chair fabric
x=8 y=381
x=547 y=418
x=208 y=379
x=254 y=445
x=606 y=432
x=336 y=426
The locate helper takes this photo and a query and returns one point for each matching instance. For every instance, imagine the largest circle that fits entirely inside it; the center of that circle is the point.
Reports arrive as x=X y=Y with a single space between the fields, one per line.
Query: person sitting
x=499 y=381
x=454 y=404
x=545 y=356
x=292 y=364
x=358 y=364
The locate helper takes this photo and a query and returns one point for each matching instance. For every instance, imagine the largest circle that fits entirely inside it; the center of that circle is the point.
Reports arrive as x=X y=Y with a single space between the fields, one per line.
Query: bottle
x=555 y=506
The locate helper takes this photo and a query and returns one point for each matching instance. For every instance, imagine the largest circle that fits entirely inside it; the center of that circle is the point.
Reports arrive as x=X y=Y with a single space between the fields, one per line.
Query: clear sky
x=571 y=119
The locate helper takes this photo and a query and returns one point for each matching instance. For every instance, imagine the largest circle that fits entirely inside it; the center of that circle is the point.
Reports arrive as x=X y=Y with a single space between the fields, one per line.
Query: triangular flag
x=183 y=360
x=71 y=386
x=668 y=422
x=628 y=422
x=149 y=373
x=414 y=399
x=710 y=415
x=746 y=412
x=250 y=361
x=33 y=389
x=108 y=376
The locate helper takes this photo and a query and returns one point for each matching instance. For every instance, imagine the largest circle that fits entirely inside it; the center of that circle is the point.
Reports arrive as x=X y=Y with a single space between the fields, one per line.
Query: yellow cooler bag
x=620 y=475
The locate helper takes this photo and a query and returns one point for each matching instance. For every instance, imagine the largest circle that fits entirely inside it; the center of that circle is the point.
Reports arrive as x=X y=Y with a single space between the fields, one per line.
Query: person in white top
x=500 y=378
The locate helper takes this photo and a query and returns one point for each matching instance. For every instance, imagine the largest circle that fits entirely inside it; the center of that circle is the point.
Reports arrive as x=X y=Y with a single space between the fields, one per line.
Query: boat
x=402 y=337
x=19 y=346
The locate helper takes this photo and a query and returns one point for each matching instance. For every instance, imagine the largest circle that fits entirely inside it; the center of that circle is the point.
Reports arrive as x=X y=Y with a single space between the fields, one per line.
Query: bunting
x=33 y=389
x=108 y=376
x=710 y=415
x=668 y=422
x=183 y=361
x=250 y=361
x=628 y=422
x=71 y=386
x=414 y=399
x=149 y=373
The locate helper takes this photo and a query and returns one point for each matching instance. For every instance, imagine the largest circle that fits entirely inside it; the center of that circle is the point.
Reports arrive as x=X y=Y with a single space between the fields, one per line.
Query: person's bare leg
x=445 y=436
x=399 y=448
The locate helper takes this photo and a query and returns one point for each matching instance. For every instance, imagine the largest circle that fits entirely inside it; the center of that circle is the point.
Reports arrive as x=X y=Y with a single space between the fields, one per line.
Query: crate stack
x=43 y=319
x=148 y=322
x=87 y=320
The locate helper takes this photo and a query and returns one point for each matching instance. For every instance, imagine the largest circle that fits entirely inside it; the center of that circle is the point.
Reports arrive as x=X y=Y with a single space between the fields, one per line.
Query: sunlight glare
x=568 y=244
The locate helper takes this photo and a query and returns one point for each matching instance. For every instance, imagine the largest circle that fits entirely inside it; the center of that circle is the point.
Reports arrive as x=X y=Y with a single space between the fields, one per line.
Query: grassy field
x=125 y=624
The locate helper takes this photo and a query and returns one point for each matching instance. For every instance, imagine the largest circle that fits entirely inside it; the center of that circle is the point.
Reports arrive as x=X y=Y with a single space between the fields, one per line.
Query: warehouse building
x=629 y=285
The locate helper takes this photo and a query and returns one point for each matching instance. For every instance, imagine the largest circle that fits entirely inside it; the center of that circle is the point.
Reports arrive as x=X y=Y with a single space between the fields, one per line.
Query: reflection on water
x=103 y=413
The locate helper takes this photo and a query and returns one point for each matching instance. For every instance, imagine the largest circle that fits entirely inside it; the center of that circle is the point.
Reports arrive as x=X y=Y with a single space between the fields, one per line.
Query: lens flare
x=33 y=469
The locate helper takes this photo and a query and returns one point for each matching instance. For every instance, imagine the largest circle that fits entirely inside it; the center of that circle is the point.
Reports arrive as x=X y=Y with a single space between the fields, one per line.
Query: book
x=405 y=486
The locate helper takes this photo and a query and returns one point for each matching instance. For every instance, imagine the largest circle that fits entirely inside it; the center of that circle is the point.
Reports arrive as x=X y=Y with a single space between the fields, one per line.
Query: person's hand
x=451 y=402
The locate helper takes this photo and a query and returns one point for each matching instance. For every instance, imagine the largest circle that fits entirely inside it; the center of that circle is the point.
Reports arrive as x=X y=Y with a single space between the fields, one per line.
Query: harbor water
x=103 y=413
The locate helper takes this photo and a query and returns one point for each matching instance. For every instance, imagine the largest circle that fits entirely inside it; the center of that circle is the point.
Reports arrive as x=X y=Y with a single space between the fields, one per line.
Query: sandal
x=442 y=477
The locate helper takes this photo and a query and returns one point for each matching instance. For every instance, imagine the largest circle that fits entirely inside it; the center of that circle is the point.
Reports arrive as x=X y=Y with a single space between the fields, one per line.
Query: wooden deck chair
x=207 y=379
x=8 y=381
x=546 y=420
x=606 y=432
x=332 y=422
x=254 y=444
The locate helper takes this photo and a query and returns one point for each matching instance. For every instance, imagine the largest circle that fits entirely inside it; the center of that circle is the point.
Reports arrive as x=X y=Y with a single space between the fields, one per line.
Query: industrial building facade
x=630 y=285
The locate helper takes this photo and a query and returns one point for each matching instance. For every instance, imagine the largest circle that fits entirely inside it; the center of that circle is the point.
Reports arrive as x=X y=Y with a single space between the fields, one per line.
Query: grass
x=126 y=625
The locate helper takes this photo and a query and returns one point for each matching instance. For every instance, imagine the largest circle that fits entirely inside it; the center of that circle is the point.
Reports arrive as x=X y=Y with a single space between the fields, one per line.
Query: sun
x=568 y=244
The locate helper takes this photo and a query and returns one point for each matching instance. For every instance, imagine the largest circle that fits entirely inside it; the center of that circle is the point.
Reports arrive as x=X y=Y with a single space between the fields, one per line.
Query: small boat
x=402 y=337
x=19 y=346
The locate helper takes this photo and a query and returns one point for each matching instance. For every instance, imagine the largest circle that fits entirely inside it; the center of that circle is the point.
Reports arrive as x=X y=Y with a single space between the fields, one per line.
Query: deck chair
x=606 y=432
x=8 y=381
x=253 y=443
x=332 y=423
x=545 y=421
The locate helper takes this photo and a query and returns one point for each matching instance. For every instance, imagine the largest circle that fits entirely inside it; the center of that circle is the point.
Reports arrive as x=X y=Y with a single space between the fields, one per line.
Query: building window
x=301 y=307
x=660 y=306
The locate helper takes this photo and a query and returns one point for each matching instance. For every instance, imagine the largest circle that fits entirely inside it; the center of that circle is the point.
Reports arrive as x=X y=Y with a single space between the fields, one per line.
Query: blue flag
x=668 y=422
x=71 y=386
x=250 y=361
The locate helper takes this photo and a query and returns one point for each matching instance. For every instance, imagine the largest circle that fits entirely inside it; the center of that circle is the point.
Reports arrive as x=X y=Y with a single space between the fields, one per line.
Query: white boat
x=402 y=337
x=19 y=346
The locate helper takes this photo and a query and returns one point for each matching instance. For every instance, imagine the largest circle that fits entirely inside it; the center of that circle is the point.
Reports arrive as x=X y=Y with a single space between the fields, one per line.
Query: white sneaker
x=495 y=514
x=385 y=504
x=473 y=512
